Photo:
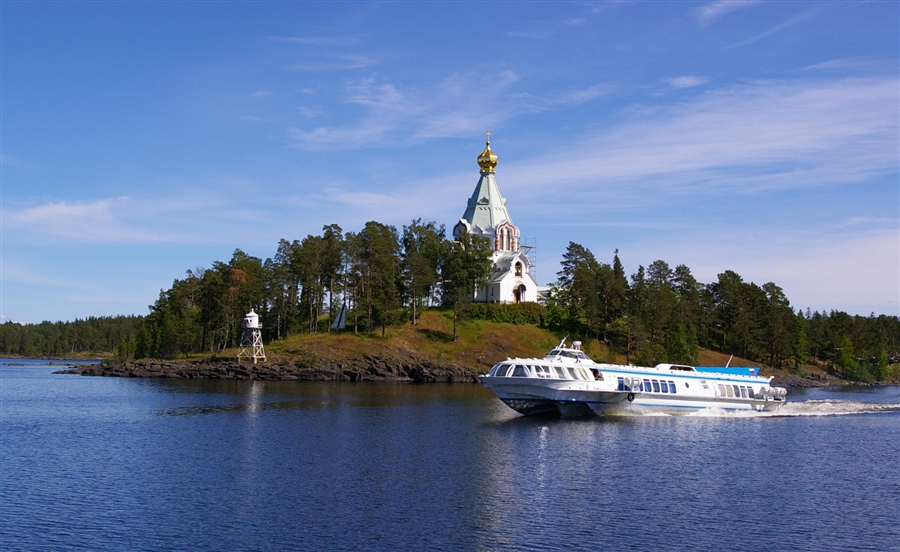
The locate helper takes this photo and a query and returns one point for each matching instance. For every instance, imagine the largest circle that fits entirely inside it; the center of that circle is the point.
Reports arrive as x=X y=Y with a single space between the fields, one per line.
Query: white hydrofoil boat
x=567 y=382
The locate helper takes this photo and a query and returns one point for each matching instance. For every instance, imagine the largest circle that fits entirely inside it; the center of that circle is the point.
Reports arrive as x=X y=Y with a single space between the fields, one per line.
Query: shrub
x=510 y=313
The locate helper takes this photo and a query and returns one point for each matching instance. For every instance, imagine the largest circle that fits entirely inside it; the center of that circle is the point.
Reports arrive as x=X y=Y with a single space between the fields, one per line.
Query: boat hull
x=530 y=397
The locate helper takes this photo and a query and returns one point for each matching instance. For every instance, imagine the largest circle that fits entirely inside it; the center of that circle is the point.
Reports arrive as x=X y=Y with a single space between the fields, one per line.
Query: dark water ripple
x=123 y=464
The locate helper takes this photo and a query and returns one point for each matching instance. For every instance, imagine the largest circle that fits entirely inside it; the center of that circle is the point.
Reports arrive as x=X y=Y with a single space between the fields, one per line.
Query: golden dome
x=488 y=159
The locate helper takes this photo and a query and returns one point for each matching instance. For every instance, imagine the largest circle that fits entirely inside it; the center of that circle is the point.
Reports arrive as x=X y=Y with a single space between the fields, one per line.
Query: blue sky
x=140 y=140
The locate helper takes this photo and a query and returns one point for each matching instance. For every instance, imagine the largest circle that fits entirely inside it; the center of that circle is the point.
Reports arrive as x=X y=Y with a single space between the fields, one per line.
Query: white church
x=486 y=215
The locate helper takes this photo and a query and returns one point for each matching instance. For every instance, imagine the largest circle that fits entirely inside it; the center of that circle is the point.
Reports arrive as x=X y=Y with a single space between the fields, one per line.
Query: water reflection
x=245 y=396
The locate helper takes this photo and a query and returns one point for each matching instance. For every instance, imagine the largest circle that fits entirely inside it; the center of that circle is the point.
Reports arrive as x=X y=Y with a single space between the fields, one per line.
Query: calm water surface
x=136 y=464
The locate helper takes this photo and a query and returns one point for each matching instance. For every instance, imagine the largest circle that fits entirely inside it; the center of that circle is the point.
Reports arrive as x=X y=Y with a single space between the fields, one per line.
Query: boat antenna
x=729 y=361
x=563 y=342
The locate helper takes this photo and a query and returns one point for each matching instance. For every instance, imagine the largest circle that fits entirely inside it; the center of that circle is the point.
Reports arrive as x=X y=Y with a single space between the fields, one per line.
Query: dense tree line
x=382 y=277
x=379 y=276
x=91 y=335
x=661 y=314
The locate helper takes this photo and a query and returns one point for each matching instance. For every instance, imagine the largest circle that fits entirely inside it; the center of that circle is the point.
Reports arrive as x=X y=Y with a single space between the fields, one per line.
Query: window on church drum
x=518 y=269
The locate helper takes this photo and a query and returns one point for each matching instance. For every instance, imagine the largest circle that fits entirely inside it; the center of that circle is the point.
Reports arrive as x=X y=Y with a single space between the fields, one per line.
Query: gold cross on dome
x=488 y=134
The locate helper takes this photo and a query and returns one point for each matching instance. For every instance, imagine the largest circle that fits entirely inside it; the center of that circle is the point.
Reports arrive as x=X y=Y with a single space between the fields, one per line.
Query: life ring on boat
x=630 y=397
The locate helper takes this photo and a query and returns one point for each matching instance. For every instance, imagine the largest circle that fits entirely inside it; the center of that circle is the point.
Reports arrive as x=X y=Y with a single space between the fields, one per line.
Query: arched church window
x=519 y=269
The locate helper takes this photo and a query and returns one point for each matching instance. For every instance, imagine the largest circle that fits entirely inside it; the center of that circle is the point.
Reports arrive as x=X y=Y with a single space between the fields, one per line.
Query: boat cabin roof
x=562 y=352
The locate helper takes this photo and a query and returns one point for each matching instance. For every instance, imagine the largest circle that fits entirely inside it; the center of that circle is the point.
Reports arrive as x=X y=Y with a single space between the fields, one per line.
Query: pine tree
x=422 y=243
x=465 y=267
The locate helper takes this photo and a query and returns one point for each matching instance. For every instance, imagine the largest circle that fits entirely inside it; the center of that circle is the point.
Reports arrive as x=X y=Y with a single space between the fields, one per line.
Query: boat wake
x=822 y=407
x=833 y=407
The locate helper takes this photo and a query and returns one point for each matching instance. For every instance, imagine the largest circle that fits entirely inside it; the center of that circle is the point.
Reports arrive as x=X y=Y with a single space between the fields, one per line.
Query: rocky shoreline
x=367 y=368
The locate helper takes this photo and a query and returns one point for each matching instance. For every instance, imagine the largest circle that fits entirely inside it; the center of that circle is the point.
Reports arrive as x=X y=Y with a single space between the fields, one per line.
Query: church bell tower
x=486 y=215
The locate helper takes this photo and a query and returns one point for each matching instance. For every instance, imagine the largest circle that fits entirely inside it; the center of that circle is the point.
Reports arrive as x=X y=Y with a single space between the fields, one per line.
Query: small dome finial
x=488 y=159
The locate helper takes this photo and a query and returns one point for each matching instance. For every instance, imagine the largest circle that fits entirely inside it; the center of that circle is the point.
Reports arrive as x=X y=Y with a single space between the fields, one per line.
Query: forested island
x=387 y=279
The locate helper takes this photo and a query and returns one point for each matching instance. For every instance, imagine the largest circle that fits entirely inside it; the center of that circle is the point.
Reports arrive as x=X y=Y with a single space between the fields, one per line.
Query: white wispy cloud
x=542 y=33
x=334 y=62
x=457 y=105
x=778 y=28
x=82 y=221
x=573 y=97
x=876 y=222
x=687 y=81
x=755 y=136
x=12 y=162
x=708 y=13
x=185 y=217
x=322 y=41
x=460 y=105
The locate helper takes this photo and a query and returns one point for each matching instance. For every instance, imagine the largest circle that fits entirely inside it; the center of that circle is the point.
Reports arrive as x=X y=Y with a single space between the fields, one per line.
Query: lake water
x=136 y=464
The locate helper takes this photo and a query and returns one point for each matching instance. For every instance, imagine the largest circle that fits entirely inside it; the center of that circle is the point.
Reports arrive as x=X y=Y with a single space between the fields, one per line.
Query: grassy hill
x=479 y=346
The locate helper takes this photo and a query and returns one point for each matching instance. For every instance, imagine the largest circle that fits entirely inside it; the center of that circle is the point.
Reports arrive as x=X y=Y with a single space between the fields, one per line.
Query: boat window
x=655 y=386
x=672 y=386
x=743 y=392
x=553 y=352
x=729 y=391
x=722 y=391
x=621 y=386
x=519 y=372
x=737 y=391
x=703 y=383
x=579 y=374
x=646 y=386
x=560 y=373
x=500 y=370
x=664 y=386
